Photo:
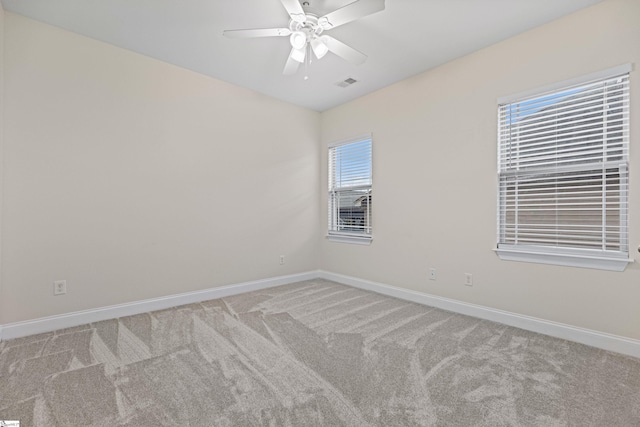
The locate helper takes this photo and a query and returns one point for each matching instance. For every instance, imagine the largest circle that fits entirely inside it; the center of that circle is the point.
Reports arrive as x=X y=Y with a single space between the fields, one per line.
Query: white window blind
x=350 y=181
x=563 y=171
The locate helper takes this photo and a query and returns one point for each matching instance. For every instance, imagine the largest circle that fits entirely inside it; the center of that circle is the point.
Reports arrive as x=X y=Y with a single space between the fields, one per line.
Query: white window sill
x=569 y=260
x=350 y=238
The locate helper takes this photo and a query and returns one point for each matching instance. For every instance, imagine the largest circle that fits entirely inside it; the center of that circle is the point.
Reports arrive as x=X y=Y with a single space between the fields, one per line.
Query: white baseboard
x=67 y=320
x=589 y=337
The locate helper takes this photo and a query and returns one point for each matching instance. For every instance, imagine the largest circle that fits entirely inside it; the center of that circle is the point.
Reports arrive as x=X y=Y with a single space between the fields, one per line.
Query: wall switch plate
x=468 y=279
x=281 y=259
x=59 y=287
x=432 y=274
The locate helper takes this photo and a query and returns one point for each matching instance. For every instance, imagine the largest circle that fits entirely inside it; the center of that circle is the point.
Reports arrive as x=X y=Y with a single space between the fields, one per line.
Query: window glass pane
x=564 y=209
x=353 y=210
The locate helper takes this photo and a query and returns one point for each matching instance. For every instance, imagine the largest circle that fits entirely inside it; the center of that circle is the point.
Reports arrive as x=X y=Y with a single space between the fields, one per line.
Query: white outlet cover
x=59 y=287
x=468 y=279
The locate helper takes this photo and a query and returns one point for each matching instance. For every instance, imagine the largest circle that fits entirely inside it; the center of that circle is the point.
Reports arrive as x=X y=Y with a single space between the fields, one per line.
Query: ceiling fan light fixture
x=298 y=40
x=319 y=47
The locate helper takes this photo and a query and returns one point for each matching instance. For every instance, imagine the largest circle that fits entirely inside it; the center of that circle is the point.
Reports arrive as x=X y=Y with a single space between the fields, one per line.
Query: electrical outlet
x=281 y=259
x=432 y=274
x=59 y=287
x=468 y=279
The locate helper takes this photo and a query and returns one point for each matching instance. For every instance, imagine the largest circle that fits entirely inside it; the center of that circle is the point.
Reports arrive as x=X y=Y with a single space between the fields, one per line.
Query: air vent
x=347 y=82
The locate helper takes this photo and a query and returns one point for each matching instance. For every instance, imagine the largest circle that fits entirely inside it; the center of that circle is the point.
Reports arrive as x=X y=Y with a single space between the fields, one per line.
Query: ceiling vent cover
x=347 y=82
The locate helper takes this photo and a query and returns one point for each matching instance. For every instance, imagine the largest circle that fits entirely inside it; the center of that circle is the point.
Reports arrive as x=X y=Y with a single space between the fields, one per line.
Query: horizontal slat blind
x=350 y=180
x=350 y=165
x=562 y=161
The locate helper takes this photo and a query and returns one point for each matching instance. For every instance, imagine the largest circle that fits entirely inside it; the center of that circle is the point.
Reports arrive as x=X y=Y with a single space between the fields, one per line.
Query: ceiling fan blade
x=294 y=9
x=291 y=66
x=258 y=32
x=343 y=51
x=350 y=12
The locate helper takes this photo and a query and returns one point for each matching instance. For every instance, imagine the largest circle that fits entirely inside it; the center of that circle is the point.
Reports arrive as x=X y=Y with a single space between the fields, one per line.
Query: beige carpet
x=314 y=353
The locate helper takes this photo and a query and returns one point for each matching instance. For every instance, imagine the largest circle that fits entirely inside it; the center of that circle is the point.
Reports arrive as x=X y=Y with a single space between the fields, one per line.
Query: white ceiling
x=408 y=37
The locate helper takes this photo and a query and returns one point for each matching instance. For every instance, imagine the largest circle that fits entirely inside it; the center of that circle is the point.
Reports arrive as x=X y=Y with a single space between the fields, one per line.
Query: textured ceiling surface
x=406 y=38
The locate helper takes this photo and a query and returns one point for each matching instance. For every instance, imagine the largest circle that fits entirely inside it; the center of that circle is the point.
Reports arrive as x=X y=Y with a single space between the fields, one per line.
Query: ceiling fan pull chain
x=307 y=60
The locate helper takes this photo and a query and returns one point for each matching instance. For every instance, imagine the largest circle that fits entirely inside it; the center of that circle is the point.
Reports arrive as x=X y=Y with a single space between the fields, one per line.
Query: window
x=563 y=175
x=350 y=191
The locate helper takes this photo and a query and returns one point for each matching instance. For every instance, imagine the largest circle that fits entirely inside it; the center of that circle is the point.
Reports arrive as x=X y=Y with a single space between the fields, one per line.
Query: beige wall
x=132 y=178
x=434 y=170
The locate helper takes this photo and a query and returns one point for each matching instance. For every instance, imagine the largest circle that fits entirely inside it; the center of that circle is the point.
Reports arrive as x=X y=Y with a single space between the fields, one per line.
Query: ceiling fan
x=306 y=30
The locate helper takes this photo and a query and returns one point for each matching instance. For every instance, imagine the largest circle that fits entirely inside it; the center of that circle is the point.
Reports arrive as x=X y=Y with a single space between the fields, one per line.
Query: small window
x=350 y=191
x=563 y=176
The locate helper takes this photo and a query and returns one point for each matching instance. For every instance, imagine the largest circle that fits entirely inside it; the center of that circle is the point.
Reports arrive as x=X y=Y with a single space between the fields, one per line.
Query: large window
x=563 y=174
x=350 y=190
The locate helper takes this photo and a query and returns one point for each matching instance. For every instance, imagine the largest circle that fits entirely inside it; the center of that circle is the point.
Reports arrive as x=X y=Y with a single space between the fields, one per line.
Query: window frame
x=361 y=238
x=565 y=256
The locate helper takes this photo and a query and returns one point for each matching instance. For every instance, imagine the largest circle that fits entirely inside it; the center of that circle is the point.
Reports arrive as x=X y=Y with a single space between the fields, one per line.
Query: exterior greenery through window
x=350 y=190
x=563 y=175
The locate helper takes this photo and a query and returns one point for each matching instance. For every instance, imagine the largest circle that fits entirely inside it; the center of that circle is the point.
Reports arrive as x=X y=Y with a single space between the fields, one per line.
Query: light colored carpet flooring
x=314 y=353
